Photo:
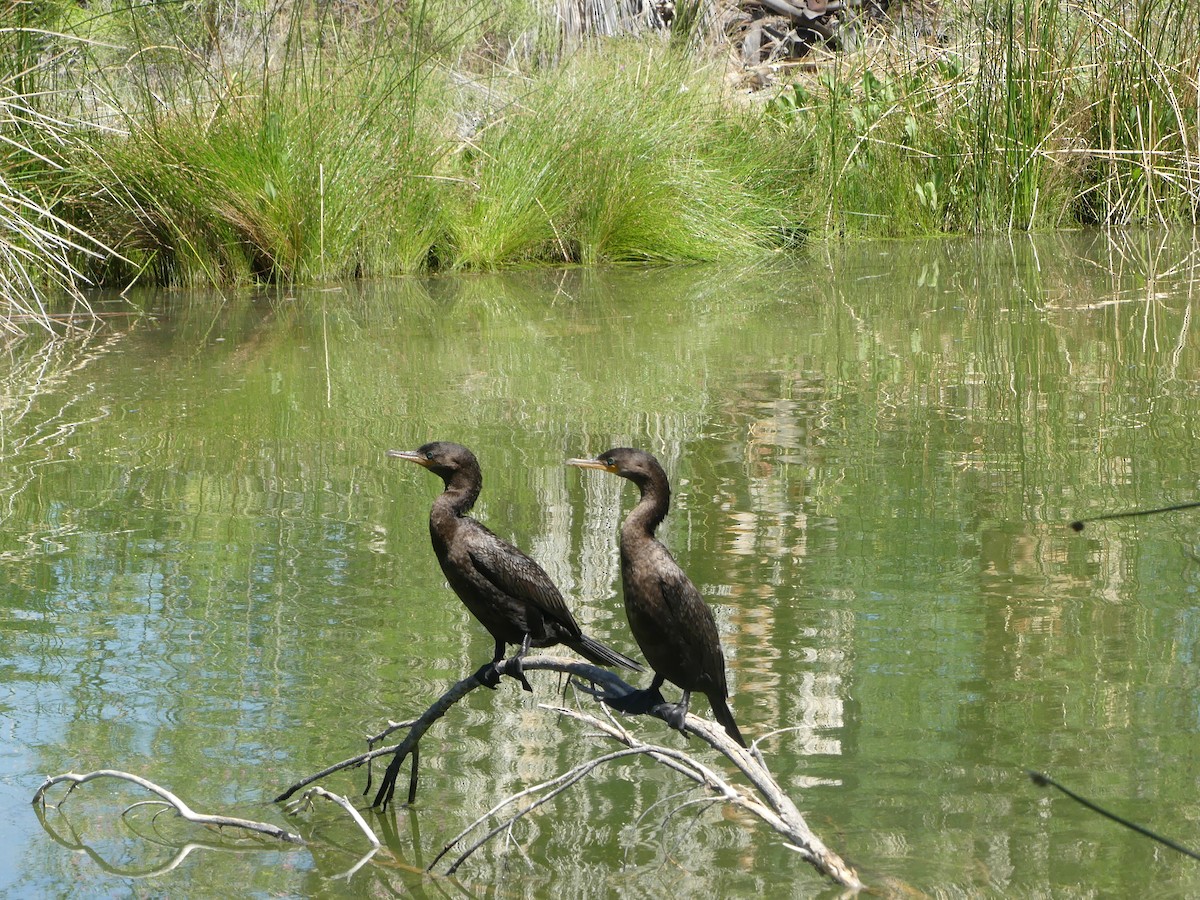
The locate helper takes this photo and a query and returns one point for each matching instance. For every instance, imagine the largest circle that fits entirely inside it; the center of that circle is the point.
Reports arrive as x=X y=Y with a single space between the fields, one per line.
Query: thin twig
x=1043 y=780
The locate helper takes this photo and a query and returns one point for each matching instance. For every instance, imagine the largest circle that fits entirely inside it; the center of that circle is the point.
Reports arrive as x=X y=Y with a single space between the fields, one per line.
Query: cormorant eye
x=608 y=461
x=429 y=454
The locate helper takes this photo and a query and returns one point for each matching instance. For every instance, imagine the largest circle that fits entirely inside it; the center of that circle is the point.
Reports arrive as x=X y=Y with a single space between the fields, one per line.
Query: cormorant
x=671 y=623
x=502 y=587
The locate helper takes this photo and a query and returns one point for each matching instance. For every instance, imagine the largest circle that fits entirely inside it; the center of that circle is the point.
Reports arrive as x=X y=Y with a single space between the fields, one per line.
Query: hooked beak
x=591 y=464
x=410 y=455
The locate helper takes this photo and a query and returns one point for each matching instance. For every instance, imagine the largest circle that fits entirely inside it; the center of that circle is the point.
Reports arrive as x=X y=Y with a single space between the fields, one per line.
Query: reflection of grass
x=41 y=414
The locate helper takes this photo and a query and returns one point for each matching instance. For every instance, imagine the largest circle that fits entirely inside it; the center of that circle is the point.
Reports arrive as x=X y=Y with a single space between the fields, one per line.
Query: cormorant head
x=443 y=458
x=637 y=465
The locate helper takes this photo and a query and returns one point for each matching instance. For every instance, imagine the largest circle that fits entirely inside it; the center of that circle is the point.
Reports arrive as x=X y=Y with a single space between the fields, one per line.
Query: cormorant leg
x=677 y=714
x=514 y=668
x=642 y=701
x=489 y=673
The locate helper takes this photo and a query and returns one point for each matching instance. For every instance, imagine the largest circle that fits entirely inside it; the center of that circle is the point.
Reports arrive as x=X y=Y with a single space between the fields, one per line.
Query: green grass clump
x=315 y=162
x=302 y=190
x=620 y=156
x=625 y=155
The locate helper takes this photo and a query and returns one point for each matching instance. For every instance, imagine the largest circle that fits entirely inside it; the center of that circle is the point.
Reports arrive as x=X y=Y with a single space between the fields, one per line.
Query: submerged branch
x=169 y=801
x=306 y=800
x=185 y=812
x=77 y=844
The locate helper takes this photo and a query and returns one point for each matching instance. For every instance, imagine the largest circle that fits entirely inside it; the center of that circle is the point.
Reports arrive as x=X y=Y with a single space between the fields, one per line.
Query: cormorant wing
x=693 y=626
x=515 y=574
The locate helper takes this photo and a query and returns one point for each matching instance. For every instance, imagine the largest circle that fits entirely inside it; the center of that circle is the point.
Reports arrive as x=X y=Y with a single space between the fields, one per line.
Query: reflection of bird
x=672 y=624
x=502 y=587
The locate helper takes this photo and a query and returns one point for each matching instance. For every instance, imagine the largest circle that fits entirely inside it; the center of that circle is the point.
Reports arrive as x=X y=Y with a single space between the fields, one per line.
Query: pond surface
x=214 y=579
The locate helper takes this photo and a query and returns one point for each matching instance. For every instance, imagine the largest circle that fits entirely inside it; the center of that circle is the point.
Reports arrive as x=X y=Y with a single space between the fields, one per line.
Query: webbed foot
x=489 y=675
x=675 y=714
x=637 y=703
x=514 y=668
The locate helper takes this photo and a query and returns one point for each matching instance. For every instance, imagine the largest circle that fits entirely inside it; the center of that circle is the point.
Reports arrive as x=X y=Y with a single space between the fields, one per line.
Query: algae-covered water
x=213 y=577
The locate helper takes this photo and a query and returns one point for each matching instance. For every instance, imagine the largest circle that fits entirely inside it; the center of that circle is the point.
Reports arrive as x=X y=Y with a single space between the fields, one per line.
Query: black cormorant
x=670 y=621
x=502 y=587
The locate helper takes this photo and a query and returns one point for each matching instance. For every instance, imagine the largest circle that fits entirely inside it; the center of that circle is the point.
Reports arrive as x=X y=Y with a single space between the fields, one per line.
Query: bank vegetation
x=213 y=142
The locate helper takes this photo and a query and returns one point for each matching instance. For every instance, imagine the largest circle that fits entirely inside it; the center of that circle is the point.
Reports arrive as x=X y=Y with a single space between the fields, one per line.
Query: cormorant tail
x=723 y=714
x=596 y=652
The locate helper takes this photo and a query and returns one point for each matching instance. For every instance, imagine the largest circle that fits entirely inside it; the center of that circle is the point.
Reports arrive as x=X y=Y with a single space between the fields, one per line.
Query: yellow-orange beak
x=591 y=464
x=410 y=455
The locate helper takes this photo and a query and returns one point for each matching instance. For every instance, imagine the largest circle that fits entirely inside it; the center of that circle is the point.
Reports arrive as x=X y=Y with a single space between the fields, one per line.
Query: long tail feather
x=723 y=714
x=596 y=652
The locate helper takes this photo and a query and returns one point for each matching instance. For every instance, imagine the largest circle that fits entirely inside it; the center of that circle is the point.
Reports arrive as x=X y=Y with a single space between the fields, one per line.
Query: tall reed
x=1144 y=129
x=40 y=252
x=1028 y=114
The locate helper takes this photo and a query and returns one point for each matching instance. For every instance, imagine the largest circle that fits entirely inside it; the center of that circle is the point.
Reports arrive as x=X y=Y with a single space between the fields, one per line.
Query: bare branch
x=775 y=807
x=613 y=686
x=764 y=797
x=306 y=800
x=185 y=812
x=351 y=763
x=417 y=729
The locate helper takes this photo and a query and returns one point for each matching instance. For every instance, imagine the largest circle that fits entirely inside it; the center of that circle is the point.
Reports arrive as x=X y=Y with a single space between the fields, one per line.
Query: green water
x=213 y=578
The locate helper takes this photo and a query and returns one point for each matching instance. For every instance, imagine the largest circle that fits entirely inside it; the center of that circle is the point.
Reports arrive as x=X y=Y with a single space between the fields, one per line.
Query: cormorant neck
x=462 y=490
x=652 y=508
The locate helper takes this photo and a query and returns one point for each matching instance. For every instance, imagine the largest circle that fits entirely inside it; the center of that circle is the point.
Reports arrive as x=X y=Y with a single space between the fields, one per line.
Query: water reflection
x=215 y=578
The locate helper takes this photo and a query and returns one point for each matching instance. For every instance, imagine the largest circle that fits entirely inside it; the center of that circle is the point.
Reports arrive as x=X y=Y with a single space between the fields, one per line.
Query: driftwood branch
x=77 y=844
x=306 y=800
x=764 y=798
x=185 y=812
x=769 y=802
x=548 y=790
